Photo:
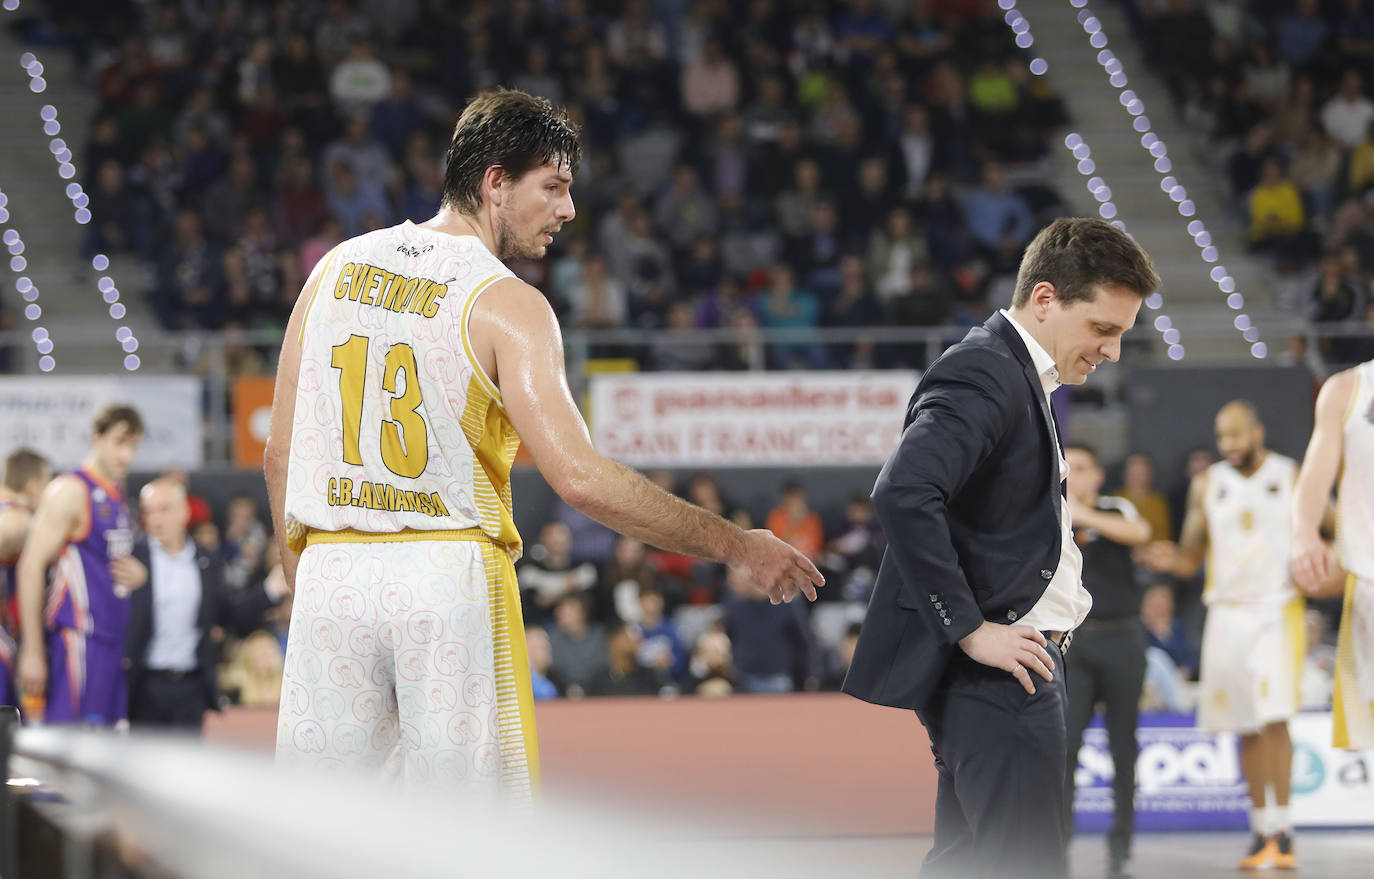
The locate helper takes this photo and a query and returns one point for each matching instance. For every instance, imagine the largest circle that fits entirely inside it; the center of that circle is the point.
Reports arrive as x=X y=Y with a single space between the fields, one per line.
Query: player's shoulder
x=65 y=489
x=1338 y=391
x=514 y=298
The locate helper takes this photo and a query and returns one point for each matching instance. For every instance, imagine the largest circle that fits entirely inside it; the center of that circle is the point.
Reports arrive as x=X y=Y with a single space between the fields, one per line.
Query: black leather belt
x=1062 y=640
x=172 y=673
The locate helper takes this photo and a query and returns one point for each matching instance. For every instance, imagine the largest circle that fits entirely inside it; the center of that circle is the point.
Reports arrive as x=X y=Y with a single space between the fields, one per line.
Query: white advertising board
x=53 y=415
x=732 y=419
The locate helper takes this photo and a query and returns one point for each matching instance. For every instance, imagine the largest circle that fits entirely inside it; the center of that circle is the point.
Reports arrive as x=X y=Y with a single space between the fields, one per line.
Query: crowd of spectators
x=841 y=163
x=607 y=616
x=1283 y=89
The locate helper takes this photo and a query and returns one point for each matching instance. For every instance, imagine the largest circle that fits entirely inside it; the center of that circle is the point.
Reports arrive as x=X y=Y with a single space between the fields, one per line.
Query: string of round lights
x=81 y=216
x=24 y=285
x=1097 y=187
x=1169 y=184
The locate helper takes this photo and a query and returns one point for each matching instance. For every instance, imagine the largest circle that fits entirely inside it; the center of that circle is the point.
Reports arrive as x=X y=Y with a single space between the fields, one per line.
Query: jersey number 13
x=405 y=438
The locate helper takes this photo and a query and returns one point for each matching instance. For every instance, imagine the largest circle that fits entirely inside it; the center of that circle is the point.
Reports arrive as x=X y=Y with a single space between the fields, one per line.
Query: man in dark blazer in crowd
x=177 y=621
x=981 y=581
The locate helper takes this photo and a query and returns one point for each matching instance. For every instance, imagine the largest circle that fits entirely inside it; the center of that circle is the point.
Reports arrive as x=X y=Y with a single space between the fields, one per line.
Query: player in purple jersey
x=73 y=624
x=26 y=474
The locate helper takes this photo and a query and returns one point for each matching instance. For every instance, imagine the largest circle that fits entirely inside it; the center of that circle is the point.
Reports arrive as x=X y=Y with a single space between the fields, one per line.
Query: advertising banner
x=1188 y=779
x=714 y=419
x=252 y=407
x=53 y=415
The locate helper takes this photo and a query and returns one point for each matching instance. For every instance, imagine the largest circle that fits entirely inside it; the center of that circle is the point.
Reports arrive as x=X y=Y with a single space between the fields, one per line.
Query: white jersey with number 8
x=397 y=427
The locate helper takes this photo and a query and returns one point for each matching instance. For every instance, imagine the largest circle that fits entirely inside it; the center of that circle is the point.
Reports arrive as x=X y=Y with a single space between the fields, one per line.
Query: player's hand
x=275 y=585
x=32 y=670
x=1017 y=650
x=779 y=570
x=1162 y=556
x=1316 y=570
x=128 y=573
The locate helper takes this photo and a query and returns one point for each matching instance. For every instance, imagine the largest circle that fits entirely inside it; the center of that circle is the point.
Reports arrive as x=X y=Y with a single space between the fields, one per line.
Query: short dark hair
x=21 y=466
x=1083 y=447
x=509 y=128
x=116 y=414
x=1076 y=255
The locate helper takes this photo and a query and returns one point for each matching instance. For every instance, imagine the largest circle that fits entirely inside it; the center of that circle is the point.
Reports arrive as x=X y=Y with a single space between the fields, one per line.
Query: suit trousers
x=1107 y=666
x=999 y=752
x=170 y=700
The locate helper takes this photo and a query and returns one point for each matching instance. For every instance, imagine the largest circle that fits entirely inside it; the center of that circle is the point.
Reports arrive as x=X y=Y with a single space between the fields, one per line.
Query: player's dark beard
x=1247 y=459
x=509 y=245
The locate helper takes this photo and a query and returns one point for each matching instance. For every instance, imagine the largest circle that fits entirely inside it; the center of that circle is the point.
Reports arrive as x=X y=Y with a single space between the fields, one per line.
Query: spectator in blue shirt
x=660 y=646
x=998 y=219
x=772 y=643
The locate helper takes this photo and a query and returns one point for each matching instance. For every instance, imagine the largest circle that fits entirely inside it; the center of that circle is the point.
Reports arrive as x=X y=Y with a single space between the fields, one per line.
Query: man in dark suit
x=981 y=580
x=177 y=621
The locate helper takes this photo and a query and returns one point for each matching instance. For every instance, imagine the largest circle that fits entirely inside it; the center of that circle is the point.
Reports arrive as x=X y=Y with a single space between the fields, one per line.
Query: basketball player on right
x=1343 y=441
x=1239 y=513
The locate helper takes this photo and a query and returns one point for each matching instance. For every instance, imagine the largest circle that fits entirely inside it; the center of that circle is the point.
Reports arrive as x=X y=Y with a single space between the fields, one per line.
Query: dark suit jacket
x=240 y=613
x=970 y=503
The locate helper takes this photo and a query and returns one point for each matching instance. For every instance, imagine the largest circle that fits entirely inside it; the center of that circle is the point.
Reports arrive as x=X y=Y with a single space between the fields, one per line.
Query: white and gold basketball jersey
x=1355 y=498
x=1248 y=525
x=397 y=426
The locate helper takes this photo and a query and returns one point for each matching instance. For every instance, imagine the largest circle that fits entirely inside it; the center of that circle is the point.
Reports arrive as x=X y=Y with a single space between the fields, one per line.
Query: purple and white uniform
x=9 y=626
x=86 y=617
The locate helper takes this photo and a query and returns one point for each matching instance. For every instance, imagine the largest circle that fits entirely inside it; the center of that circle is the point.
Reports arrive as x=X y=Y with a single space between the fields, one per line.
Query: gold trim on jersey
x=494 y=443
x=352 y=535
x=1352 y=718
x=328 y=261
x=1293 y=613
x=487 y=383
x=516 y=734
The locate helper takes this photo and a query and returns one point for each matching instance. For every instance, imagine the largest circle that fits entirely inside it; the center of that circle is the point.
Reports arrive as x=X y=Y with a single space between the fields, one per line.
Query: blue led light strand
x=66 y=170
x=1159 y=153
x=27 y=289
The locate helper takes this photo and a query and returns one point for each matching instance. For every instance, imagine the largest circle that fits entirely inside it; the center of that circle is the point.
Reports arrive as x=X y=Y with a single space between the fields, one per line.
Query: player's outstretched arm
x=61 y=514
x=517 y=341
x=1313 y=561
x=1184 y=559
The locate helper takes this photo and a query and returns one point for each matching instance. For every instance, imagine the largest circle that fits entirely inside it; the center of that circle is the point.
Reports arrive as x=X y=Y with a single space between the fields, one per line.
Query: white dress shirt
x=175 y=581
x=1065 y=603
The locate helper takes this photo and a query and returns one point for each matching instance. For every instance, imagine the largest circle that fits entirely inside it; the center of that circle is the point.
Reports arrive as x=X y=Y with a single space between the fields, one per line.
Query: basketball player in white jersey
x=414 y=364
x=1343 y=442
x=1239 y=515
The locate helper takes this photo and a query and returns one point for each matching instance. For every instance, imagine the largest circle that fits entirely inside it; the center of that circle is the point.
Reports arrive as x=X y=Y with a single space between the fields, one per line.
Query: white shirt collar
x=1040 y=358
x=188 y=550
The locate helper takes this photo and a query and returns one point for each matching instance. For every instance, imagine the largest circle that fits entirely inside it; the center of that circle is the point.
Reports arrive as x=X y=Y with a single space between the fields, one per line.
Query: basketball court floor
x=1322 y=855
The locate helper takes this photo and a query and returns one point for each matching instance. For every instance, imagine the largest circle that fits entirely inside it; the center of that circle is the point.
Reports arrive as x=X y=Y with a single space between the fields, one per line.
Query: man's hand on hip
x=778 y=569
x=1018 y=650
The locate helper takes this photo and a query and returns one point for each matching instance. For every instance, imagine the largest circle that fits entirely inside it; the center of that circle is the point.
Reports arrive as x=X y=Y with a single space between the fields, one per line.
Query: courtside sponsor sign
x=703 y=419
x=53 y=416
x=1188 y=779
